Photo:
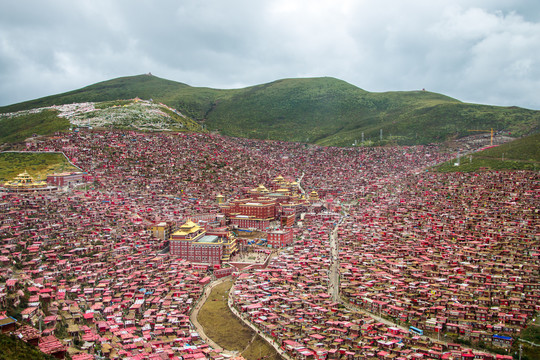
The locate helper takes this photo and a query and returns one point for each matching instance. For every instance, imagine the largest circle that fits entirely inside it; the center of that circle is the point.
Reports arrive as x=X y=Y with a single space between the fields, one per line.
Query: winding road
x=333 y=275
x=195 y=313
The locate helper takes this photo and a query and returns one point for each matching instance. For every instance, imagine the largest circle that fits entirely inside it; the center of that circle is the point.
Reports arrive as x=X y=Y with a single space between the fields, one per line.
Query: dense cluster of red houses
x=452 y=255
x=456 y=254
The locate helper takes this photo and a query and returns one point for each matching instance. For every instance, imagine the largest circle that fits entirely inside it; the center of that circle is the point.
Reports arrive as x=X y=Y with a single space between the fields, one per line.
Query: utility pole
x=381 y=135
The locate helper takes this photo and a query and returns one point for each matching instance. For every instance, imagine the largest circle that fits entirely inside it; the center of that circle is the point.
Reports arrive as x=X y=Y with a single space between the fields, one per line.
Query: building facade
x=193 y=243
x=280 y=238
x=249 y=222
x=162 y=230
x=65 y=179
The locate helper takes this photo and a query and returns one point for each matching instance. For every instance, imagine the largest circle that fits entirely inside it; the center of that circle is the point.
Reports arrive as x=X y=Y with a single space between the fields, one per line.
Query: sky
x=479 y=51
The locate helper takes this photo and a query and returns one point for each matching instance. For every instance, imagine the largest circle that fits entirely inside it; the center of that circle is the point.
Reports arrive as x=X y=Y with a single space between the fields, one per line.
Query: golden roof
x=279 y=178
x=260 y=189
x=188 y=227
x=24 y=180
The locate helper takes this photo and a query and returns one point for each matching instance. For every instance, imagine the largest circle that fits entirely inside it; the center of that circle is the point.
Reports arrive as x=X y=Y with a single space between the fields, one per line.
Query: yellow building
x=162 y=230
x=25 y=183
x=193 y=243
x=279 y=179
x=220 y=199
x=313 y=196
x=280 y=184
x=259 y=191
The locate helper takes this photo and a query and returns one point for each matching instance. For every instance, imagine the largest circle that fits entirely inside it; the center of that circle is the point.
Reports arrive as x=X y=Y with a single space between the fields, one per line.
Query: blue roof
x=502 y=337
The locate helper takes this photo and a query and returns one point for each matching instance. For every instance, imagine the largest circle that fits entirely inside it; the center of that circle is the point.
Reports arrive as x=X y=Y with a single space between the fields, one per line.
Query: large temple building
x=262 y=206
x=25 y=183
x=193 y=243
x=66 y=178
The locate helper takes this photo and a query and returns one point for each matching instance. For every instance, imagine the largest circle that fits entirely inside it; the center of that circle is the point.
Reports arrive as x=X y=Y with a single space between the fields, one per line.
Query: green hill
x=17 y=128
x=38 y=165
x=13 y=348
x=134 y=114
x=520 y=154
x=325 y=111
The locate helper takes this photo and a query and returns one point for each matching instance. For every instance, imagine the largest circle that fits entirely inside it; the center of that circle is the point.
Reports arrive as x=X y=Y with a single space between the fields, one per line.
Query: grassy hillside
x=227 y=330
x=530 y=334
x=520 y=154
x=123 y=114
x=129 y=114
x=13 y=348
x=191 y=101
x=38 y=165
x=326 y=111
x=22 y=126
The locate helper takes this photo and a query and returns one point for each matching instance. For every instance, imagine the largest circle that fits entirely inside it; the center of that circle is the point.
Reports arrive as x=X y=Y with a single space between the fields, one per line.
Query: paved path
x=300 y=186
x=334 y=287
x=199 y=328
x=195 y=313
x=333 y=275
x=267 y=338
x=353 y=307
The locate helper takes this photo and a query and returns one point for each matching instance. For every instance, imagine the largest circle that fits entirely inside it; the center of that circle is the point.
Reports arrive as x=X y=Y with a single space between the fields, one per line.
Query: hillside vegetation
x=18 y=127
x=134 y=114
x=227 y=330
x=325 y=111
x=520 y=154
x=38 y=165
x=14 y=348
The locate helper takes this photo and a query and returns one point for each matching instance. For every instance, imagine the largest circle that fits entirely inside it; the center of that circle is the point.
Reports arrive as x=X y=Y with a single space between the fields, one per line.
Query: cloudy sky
x=482 y=51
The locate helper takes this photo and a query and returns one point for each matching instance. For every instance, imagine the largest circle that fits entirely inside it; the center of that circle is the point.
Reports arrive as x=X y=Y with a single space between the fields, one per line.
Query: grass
x=521 y=154
x=532 y=334
x=259 y=349
x=38 y=165
x=222 y=326
x=124 y=114
x=325 y=111
x=13 y=348
x=18 y=128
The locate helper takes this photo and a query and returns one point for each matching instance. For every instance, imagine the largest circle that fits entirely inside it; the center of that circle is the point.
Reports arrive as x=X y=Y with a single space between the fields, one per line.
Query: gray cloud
x=482 y=51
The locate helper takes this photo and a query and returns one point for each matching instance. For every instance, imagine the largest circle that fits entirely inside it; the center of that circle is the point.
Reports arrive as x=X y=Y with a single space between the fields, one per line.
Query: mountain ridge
x=322 y=110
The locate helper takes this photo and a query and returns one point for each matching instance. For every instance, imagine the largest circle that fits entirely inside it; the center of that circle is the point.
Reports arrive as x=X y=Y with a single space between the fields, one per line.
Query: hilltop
x=520 y=154
x=325 y=111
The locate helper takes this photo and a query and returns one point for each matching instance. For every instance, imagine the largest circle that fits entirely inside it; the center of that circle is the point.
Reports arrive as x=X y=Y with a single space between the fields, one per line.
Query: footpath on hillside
x=221 y=329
